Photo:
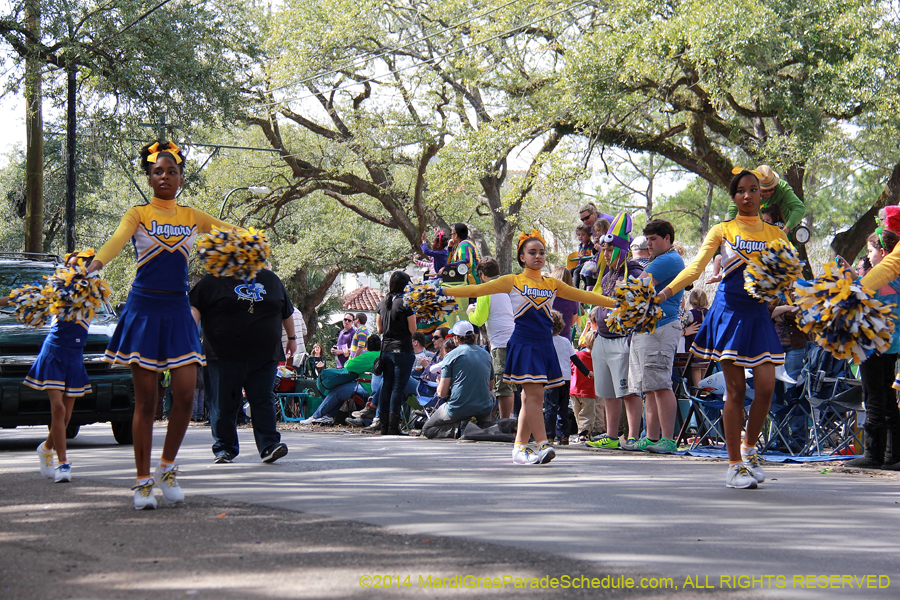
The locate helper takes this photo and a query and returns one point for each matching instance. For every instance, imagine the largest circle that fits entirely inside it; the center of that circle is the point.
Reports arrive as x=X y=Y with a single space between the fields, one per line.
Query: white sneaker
x=752 y=462
x=46 y=457
x=524 y=456
x=143 y=496
x=63 y=473
x=545 y=454
x=739 y=476
x=167 y=480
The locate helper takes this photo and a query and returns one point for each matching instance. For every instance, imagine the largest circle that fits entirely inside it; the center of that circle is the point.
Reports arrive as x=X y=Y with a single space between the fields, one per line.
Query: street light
x=259 y=190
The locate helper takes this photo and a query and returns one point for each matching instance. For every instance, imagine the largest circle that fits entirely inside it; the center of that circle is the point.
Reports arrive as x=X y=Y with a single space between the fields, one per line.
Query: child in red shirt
x=582 y=393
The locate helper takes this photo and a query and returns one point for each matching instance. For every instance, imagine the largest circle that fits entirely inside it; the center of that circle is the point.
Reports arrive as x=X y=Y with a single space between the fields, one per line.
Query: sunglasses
x=585 y=219
x=348 y=320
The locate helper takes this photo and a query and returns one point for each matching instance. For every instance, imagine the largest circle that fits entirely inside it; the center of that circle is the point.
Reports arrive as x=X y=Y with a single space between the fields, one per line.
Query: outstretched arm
x=568 y=292
x=501 y=285
x=693 y=271
x=205 y=222
x=126 y=229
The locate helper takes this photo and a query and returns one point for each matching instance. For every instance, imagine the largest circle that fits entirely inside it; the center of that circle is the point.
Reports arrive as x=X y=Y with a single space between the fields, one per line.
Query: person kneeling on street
x=465 y=385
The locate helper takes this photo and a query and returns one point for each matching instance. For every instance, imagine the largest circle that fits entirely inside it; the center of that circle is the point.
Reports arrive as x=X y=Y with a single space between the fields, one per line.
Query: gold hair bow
x=155 y=152
x=737 y=170
x=82 y=255
x=534 y=234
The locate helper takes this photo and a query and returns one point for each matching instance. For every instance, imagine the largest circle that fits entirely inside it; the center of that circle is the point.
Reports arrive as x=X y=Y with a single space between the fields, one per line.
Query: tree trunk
x=34 y=138
x=306 y=300
x=707 y=207
x=849 y=243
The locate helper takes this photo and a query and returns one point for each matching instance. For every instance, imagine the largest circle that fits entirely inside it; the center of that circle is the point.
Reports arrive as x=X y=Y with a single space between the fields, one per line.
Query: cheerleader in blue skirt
x=738 y=331
x=531 y=359
x=156 y=331
x=59 y=369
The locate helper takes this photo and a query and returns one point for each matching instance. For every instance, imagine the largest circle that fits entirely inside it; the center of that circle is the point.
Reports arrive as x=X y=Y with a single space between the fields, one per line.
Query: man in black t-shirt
x=242 y=323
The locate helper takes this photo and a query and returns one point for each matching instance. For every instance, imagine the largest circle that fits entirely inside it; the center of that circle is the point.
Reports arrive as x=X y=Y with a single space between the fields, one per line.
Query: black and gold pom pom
x=234 y=253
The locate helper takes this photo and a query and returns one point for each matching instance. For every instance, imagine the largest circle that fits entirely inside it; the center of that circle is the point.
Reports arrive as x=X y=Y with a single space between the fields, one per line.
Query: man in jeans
x=653 y=354
x=242 y=324
x=466 y=383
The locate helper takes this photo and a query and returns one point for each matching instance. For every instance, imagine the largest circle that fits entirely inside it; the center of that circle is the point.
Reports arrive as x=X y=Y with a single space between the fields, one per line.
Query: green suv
x=112 y=395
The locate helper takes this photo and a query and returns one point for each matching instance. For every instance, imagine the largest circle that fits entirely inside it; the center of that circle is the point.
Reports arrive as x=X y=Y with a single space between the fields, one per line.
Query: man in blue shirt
x=466 y=381
x=653 y=354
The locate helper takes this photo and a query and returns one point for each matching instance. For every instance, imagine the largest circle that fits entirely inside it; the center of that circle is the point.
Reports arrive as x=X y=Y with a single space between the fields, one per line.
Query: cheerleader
x=531 y=359
x=59 y=369
x=156 y=331
x=738 y=331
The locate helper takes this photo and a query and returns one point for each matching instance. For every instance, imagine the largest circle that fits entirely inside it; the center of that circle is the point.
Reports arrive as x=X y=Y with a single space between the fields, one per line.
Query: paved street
x=439 y=508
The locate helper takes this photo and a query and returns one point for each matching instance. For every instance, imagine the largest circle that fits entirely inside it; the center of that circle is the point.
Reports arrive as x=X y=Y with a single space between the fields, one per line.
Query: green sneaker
x=642 y=444
x=628 y=444
x=604 y=442
x=663 y=446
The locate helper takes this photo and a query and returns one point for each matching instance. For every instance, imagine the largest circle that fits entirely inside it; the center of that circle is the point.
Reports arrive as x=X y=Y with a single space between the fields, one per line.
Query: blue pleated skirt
x=532 y=360
x=738 y=328
x=59 y=368
x=157 y=332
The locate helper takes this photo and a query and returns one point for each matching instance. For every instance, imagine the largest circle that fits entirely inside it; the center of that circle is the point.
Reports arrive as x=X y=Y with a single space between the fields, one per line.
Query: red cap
x=892 y=221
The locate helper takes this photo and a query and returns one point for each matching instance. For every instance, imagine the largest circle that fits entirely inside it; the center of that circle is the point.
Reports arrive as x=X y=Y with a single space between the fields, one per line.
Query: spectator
x=556 y=399
x=465 y=384
x=640 y=251
x=243 y=349
x=358 y=345
x=336 y=396
x=318 y=361
x=341 y=349
x=199 y=413
x=877 y=375
x=438 y=251
x=589 y=215
x=567 y=308
x=300 y=332
x=423 y=356
x=496 y=314
x=699 y=304
x=780 y=194
x=464 y=252
x=582 y=392
x=610 y=354
x=586 y=250
x=371 y=410
x=793 y=343
x=653 y=354
x=594 y=268
x=397 y=324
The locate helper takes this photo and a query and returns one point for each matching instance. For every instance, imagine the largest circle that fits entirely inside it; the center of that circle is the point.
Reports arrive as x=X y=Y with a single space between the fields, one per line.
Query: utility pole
x=71 y=89
x=34 y=134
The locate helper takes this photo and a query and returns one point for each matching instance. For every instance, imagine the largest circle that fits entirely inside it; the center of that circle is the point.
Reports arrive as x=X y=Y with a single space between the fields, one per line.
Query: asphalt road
x=340 y=508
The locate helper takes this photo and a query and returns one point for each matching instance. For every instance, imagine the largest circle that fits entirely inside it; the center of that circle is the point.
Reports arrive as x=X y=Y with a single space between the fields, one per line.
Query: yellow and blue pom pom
x=772 y=271
x=637 y=307
x=427 y=303
x=843 y=316
x=234 y=253
x=32 y=303
x=75 y=294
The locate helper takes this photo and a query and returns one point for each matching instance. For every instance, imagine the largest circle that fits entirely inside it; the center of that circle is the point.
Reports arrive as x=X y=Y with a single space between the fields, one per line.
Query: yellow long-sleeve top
x=531 y=295
x=884 y=272
x=162 y=234
x=737 y=239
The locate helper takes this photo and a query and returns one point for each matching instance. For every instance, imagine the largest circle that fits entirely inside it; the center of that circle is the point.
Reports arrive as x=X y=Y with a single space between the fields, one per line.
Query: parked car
x=112 y=396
